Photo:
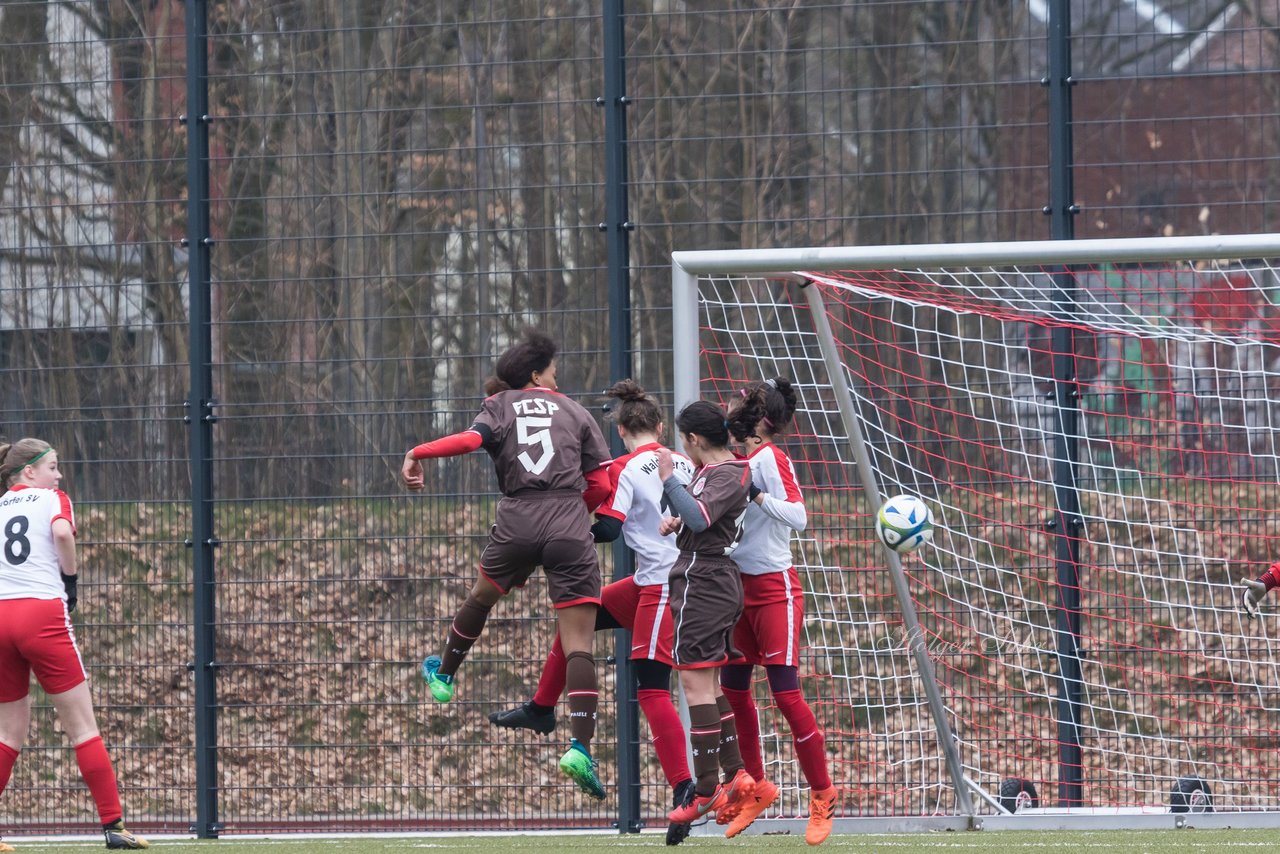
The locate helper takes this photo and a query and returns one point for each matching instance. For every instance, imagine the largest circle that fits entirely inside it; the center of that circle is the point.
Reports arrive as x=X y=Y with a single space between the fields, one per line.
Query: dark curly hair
x=771 y=402
x=709 y=421
x=636 y=409
x=517 y=365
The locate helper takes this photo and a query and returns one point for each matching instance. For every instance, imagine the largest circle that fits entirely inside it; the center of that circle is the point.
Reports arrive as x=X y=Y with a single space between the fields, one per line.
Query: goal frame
x=794 y=263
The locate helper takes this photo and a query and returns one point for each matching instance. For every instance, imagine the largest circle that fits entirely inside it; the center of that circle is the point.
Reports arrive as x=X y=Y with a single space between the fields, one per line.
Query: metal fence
x=249 y=253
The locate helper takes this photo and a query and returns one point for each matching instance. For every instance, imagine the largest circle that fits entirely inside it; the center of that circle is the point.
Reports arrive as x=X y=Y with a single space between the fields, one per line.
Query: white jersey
x=766 y=531
x=637 y=501
x=29 y=567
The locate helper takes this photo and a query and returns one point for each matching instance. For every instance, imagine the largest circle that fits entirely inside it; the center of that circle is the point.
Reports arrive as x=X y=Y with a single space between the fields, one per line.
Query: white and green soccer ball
x=904 y=523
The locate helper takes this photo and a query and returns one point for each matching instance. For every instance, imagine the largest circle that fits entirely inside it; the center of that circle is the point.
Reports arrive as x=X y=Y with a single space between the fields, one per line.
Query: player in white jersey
x=768 y=632
x=38 y=575
x=639 y=602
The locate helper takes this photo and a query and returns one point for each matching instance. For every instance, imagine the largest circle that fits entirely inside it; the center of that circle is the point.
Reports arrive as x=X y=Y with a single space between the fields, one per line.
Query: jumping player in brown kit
x=639 y=603
x=549 y=456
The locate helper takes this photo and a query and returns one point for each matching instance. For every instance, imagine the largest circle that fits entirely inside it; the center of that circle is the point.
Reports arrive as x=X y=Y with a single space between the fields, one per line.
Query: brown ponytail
x=636 y=409
x=16 y=456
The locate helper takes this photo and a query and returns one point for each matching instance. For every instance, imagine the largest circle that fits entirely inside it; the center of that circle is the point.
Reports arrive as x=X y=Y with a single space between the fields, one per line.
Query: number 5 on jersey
x=534 y=431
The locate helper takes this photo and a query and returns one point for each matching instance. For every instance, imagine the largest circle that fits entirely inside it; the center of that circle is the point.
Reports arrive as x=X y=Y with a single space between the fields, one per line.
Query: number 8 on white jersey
x=29 y=567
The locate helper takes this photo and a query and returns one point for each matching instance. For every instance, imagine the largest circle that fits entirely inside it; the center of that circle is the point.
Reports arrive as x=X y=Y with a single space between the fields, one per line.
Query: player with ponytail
x=38 y=592
x=706 y=596
x=549 y=456
x=768 y=634
x=638 y=603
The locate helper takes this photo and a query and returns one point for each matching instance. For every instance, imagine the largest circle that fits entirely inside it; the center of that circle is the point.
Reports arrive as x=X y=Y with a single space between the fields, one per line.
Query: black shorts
x=552 y=531
x=706 y=602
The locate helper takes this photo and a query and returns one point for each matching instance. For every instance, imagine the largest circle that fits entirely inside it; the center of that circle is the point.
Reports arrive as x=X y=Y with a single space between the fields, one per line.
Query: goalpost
x=1096 y=425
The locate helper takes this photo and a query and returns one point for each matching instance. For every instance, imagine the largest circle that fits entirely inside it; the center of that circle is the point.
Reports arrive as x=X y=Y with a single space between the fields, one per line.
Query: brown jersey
x=721 y=490
x=539 y=440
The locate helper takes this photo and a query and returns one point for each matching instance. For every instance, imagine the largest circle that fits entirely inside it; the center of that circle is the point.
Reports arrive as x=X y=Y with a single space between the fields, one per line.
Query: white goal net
x=1096 y=426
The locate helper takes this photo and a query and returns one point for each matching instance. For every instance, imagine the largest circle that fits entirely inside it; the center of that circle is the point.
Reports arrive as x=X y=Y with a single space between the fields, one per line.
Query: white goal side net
x=1096 y=426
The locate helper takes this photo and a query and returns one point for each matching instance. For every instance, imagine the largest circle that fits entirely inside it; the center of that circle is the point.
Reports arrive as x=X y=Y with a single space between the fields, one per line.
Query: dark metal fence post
x=1067 y=522
x=200 y=416
x=616 y=227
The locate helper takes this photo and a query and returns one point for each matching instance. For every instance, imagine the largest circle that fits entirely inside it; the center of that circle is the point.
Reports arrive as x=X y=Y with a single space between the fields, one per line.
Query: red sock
x=668 y=733
x=95 y=767
x=8 y=756
x=748 y=723
x=811 y=747
x=551 y=682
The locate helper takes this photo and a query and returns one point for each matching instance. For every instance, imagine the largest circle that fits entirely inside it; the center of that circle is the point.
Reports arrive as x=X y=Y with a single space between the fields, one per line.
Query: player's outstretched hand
x=1251 y=598
x=669 y=525
x=412 y=474
x=665 y=465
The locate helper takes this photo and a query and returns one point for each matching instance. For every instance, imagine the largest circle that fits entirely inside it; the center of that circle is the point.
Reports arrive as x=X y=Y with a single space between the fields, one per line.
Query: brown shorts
x=552 y=531
x=706 y=601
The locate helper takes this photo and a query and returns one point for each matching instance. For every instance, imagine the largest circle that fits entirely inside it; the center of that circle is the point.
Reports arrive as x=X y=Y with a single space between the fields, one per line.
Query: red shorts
x=772 y=613
x=36 y=635
x=643 y=610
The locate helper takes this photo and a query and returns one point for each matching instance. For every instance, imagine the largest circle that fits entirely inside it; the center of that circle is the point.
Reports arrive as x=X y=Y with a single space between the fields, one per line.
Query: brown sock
x=467 y=625
x=704 y=738
x=580 y=685
x=730 y=755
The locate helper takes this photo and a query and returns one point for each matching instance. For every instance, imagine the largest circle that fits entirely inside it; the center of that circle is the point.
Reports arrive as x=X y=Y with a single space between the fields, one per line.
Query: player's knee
x=15 y=715
x=799 y=715
x=75 y=713
x=783 y=677
x=606 y=620
x=652 y=675
x=736 y=677
x=485 y=593
x=14 y=726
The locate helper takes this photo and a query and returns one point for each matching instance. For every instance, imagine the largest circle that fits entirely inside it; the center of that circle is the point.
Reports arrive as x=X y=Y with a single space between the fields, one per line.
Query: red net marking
x=1175 y=369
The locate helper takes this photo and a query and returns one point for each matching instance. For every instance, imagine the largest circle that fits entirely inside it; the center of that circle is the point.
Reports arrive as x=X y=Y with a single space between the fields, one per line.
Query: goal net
x=1096 y=426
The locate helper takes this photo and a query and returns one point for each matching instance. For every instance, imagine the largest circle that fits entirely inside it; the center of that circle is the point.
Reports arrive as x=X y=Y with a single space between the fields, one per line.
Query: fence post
x=200 y=417
x=1066 y=523
x=616 y=227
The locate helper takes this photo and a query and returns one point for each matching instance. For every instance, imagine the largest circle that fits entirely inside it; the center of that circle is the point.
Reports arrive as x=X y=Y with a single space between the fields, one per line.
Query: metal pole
x=200 y=417
x=870 y=487
x=684 y=338
x=617 y=226
x=686 y=366
x=1062 y=207
x=1062 y=210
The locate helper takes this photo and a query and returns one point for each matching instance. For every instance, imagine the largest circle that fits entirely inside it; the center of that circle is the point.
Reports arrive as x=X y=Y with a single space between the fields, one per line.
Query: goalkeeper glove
x=69 y=585
x=1251 y=598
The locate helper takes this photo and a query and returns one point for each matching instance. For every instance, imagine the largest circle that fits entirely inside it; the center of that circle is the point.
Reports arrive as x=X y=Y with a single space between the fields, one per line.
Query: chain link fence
x=395 y=190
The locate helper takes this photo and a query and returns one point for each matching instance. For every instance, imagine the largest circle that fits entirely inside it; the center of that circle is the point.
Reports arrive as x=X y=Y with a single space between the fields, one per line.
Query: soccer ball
x=904 y=523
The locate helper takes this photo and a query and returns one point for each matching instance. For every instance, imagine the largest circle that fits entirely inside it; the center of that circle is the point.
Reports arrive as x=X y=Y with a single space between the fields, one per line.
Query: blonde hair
x=16 y=456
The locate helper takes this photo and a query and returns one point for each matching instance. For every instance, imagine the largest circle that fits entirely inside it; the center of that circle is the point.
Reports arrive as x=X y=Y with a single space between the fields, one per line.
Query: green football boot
x=578 y=766
x=441 y=684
